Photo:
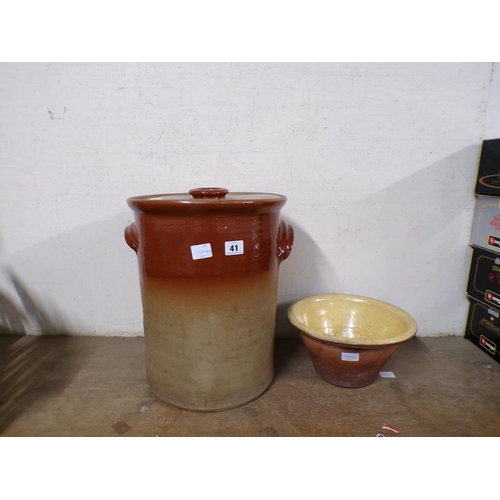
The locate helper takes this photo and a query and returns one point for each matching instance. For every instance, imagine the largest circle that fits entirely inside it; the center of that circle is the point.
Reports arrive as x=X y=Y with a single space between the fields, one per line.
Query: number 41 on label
x=234 y=247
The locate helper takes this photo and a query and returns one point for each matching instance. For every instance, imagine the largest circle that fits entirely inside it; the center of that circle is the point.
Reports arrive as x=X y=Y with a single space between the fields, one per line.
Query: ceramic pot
x=208 y=266
x=350 y=338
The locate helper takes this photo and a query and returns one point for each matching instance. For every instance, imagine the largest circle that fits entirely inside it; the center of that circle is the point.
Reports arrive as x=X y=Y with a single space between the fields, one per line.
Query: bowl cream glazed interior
x=350 y=337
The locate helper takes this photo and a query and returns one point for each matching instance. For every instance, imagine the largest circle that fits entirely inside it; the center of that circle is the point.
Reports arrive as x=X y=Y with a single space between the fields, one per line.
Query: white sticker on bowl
x=350 y=356
x=234 y=247
x=203 y=251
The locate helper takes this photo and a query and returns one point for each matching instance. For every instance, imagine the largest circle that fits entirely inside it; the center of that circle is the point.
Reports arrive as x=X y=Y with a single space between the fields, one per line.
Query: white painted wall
x=378 y=162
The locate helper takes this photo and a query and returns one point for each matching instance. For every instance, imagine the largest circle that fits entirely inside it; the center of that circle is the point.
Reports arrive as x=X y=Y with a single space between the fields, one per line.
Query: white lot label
x=203 y=251
x=234 y=247
x=350 y=356
x=387 y=374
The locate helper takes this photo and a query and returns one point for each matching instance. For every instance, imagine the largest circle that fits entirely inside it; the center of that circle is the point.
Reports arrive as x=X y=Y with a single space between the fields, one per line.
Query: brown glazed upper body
x=208 y=263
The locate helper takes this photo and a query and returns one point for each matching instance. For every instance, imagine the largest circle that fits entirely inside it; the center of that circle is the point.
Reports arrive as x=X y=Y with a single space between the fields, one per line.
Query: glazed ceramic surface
x=208 y=263
x=352 y=320
x=349 y=337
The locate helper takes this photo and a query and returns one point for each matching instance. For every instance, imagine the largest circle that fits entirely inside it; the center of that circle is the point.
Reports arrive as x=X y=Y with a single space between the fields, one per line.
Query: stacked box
x=486 y=223
x=488 y=177
x=484 y=277
x=483 y=328
x=483 y=287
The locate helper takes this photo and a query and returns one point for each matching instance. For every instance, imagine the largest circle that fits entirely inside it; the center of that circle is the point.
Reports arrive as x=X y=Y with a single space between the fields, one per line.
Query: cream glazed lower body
x=210 y=342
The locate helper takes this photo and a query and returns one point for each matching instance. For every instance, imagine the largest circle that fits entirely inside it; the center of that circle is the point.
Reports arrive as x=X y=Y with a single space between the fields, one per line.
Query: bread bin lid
x=207 y=199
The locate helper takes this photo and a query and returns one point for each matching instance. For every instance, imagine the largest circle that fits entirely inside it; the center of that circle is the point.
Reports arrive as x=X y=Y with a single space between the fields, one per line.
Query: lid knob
x=208 y=192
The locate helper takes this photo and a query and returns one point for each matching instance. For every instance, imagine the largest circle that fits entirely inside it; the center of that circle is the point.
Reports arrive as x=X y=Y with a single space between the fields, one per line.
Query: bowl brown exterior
x=328 y=362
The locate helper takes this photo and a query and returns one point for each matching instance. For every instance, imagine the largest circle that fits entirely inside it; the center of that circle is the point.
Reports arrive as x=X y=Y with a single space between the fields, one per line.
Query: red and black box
x=488 y=178
x=484 y=277
x=483 y=328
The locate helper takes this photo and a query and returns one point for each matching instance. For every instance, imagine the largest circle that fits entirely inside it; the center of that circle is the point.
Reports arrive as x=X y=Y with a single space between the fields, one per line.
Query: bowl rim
x=407 y=334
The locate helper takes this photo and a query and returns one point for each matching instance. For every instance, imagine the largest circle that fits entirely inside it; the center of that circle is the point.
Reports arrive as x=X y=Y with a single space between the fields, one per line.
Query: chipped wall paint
x=377 y=160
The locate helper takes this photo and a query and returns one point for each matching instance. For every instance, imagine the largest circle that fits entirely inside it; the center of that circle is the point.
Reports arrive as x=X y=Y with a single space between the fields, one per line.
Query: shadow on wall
x=90 y=274
x=32 y=364
x=407 y=243
x=307 y=271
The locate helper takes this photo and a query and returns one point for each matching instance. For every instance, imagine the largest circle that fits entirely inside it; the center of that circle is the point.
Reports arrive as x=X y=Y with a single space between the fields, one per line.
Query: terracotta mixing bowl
x=350 y=338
